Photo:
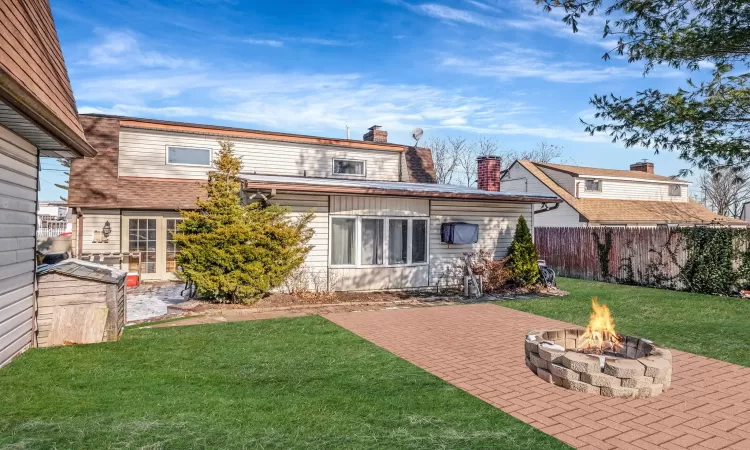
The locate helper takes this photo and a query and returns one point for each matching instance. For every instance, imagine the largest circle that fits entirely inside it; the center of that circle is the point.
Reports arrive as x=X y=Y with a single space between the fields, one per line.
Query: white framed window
x=373 y=240
x=675 y=190
x=343 y=241
x=349 y=167
x=382 y=241
x=189 y=156
x=593 y=185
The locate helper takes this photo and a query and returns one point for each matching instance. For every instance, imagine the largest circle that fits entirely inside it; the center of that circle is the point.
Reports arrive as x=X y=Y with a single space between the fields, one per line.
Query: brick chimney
x=643 y=166
x=488 y=173
x=375 y=134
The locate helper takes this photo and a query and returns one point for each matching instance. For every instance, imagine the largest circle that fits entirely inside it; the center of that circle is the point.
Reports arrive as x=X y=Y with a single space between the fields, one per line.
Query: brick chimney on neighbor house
x=375 y=134
x=488 y=173
x=643 y=166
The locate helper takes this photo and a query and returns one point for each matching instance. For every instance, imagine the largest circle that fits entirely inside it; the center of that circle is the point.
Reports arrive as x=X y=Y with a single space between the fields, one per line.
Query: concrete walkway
x=479 y=348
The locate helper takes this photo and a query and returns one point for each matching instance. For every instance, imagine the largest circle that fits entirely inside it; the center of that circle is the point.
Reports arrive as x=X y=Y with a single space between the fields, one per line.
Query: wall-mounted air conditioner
x=459 y=233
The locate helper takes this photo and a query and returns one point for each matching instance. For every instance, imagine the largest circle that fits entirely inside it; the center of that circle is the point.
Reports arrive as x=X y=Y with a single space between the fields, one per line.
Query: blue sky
x=500 y=69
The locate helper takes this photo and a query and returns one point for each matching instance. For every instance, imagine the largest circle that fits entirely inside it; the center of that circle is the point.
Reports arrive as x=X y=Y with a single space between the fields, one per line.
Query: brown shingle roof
x=639 y=211
x=631 y=211
x=419 y=165
x=33 y=76
x=593 y=171
x=94 y=181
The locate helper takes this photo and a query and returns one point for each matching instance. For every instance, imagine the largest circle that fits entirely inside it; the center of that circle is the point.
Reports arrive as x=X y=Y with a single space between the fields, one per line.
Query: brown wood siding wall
x=572 y=252
x=30 y=53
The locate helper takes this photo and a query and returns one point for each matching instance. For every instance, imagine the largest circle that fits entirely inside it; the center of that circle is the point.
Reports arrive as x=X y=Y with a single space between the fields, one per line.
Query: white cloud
x=505 y=66
x=298 y=102
x=124 y=48
x=325 y=42
x=268 y=42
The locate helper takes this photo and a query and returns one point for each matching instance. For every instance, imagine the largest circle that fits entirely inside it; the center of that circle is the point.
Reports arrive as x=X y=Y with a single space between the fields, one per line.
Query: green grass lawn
x=708 y=325
x=285 y=383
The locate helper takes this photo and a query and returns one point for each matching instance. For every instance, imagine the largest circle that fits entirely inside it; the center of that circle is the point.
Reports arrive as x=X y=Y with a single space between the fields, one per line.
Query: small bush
x=495 y=273
x=522 y=259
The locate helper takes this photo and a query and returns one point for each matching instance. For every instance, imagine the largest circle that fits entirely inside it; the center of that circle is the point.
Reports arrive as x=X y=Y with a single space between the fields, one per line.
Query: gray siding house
x=38 y=118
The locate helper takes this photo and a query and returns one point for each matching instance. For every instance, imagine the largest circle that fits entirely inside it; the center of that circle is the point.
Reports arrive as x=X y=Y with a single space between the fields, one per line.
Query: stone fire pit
x=639 y=369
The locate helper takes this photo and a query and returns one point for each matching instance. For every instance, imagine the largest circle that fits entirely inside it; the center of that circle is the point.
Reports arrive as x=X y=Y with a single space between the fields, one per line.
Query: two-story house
x=378 y=211
x=605 y=197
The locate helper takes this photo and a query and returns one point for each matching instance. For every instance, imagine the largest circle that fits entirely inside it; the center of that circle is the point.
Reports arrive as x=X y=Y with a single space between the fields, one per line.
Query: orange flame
x=600 y=332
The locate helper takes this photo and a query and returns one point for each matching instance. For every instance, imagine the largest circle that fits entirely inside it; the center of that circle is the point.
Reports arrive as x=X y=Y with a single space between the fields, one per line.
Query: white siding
x=497 y=223
x=18 y=198
x=143 y=154
x=94 y=220
x=634 y=190
x=379 y=206
x=565 y=180
x=378 y=278
x=316 y=262
x=563 y=216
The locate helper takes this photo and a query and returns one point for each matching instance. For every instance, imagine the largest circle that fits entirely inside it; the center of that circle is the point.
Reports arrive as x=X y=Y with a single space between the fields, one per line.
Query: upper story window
x=189 y=156
x=675 y=190
x=594 y=185
x=348 y=167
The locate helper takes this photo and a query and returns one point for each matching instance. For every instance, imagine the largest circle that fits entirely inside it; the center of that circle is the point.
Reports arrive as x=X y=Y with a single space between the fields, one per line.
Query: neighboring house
x=38 y=117
x=378 y=209
x=745 y=212
x=605 y=197
x=52 y=219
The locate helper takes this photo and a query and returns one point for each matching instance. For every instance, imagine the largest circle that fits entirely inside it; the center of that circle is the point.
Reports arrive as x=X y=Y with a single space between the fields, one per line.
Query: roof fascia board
x=249 y=185
x=28 y=105
x=637 y=180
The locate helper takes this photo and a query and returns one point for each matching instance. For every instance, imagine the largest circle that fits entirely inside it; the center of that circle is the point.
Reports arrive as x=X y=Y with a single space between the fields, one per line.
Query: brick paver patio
x=479 y=348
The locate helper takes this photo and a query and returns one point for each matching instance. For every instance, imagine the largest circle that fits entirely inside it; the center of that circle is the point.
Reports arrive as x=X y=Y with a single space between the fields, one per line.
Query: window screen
x=190 y=156
x=419 y=241
x=343 y=241
x=348 y=167
x=398 y=235
x=372 y=241
x=674 y=190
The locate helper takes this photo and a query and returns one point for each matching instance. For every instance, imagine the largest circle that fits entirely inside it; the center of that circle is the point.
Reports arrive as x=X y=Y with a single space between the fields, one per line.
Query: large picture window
x=383 y=241
x=398 y=235
x=343 y=241
x=372 y=241
x=418 y=241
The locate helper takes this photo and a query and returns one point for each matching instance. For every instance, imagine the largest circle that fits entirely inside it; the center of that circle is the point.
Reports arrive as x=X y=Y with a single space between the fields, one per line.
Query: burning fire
x=600 y=333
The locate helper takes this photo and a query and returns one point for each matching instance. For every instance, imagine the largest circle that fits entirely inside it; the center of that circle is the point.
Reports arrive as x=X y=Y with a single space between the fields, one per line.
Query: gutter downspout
x=546 y=208
x=79 y=224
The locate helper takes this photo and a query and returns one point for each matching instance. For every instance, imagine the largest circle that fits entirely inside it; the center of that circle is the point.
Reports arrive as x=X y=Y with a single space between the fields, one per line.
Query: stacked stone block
x=641 y=369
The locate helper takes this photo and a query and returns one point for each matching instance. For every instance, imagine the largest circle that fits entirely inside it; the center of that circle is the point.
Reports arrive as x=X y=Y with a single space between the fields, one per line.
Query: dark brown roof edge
x=394 y=192
x=30 y=106
x=168 y=125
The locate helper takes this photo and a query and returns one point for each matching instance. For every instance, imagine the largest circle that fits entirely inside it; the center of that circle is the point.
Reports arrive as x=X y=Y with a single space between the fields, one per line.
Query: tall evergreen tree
x=705 y=122
x=66 y=185
x=233 y=252
x=522 y=259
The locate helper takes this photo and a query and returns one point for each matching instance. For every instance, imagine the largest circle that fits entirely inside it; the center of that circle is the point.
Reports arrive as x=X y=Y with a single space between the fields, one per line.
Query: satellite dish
x=417 y=135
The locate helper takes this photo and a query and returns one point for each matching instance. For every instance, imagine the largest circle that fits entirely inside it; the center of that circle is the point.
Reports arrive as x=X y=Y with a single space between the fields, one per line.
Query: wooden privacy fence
x=633 y=256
